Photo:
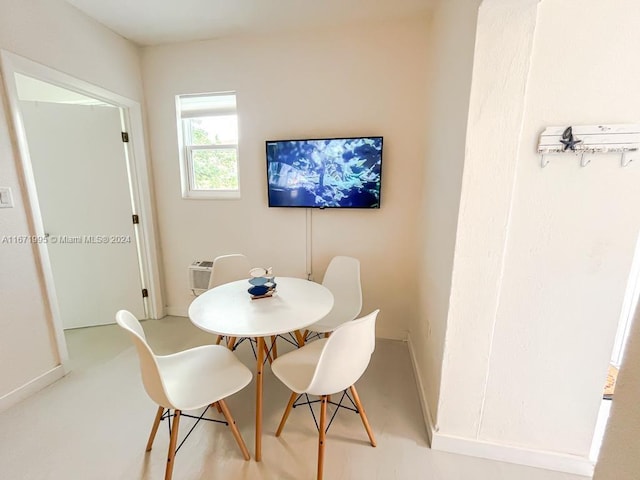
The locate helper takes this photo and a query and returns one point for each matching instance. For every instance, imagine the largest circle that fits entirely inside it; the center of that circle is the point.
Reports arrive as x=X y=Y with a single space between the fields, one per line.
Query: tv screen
x=325 y=173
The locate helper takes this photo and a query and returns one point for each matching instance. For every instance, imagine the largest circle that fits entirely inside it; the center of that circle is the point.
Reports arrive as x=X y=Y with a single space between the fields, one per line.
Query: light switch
x=6 y=199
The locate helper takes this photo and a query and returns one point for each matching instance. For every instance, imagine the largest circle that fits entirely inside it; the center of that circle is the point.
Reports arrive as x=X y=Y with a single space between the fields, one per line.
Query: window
x=209 y=145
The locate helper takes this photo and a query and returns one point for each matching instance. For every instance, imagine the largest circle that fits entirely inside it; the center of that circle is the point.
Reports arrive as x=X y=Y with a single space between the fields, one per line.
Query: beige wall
x=542 y=255
x=361 y=80
x=570 y=244
x=452 y=39
x=56 y=35
x=502 y=53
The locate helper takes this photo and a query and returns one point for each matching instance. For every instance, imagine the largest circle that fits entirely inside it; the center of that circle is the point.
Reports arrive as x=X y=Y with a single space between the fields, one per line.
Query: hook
x=543 y=161
x=625 y=160
x=583 y=162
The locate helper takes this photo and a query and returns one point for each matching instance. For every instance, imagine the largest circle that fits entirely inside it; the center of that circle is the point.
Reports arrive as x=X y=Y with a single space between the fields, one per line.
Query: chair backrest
x=342 y=278
x=148 y=366
x=229 y=268
x=345 y=356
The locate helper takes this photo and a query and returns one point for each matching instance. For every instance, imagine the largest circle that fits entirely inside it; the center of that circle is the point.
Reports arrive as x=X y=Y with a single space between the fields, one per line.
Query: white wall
x=543 y=255
x=57 y=35
x=502 y=54
x=572 y=239
x=361 y=80
x=452 y=40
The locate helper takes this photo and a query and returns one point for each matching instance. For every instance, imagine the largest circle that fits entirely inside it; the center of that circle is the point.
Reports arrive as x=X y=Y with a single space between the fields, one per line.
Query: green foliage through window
x=215 y=169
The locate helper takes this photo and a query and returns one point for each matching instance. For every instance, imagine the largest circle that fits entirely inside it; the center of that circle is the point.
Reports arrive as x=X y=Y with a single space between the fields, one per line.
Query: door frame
x=629 y=307
x=140 y=184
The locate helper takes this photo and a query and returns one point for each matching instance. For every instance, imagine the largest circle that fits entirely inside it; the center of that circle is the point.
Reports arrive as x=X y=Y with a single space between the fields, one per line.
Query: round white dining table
x=229 y=310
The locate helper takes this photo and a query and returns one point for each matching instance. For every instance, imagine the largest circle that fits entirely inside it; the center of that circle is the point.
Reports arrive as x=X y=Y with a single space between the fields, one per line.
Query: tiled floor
x=94 y=423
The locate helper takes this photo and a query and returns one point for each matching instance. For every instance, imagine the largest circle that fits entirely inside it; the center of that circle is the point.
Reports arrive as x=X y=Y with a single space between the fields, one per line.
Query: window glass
x=209 y=153
x=213 y=130
x=215 y=169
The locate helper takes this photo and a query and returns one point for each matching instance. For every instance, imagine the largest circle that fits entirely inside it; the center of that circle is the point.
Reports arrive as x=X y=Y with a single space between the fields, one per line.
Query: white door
x=82 y=184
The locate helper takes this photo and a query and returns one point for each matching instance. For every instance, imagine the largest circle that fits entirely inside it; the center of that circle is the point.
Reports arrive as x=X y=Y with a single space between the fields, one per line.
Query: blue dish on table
x=258 y=281
x=258 y=290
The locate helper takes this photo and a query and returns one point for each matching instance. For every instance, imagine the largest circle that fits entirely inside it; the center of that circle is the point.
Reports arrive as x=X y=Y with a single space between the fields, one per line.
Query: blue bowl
x=258 y=290
x=258 y=281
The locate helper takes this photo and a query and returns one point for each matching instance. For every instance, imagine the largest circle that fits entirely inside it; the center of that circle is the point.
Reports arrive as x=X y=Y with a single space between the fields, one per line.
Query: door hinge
x=145 y=293
x=125 y=137
x=136 y=219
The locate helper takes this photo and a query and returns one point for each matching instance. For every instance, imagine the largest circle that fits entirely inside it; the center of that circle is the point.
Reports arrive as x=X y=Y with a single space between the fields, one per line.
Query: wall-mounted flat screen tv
x=325 y=173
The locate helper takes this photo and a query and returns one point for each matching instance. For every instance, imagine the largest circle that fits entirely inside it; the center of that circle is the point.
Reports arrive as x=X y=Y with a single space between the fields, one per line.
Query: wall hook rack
x=588 y=140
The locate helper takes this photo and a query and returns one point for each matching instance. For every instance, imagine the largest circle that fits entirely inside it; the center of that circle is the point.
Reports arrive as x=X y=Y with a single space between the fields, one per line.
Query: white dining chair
x=326 y=367
x=342 y=278
x=229 y=268
x=189 y=380
x=226 y=269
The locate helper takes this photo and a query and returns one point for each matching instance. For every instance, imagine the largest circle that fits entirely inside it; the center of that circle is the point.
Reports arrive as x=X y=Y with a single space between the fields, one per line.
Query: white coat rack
x=590 y=139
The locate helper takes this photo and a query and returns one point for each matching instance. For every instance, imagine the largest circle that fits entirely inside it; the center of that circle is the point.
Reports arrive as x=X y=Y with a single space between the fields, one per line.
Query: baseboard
x=28 y=389
x=426 y=412
x=493 y=451
x=177 y=311
x=390 y=334
x=505 y=453
x=159 y=313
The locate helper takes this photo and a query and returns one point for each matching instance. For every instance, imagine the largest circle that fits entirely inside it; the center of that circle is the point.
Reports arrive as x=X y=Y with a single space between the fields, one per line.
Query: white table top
x=229 y=310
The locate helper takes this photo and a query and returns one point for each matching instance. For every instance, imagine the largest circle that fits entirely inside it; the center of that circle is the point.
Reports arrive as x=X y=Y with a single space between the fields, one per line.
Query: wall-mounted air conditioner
x=199 y=274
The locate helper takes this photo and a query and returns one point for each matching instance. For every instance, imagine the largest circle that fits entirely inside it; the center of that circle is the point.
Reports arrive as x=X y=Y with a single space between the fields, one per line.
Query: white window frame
x=186 y=151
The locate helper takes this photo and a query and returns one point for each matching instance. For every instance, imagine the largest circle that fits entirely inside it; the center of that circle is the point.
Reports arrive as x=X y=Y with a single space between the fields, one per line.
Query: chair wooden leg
x=231 y=342
x=217 y=405
x=219 y=339
x=259 y=382
x=154 y=429
x=274 y=347
x=363 y=415
x=172 y=445
x=322 y=435
x=300 y=337
x=234 y=429
x=287 y=411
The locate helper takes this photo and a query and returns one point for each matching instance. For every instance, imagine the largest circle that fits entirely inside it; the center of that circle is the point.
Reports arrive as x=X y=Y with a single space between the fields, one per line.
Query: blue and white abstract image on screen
x=325 y=173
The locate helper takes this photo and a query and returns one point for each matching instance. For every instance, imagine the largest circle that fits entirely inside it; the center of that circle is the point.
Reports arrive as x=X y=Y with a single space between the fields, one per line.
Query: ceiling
x=155 y=22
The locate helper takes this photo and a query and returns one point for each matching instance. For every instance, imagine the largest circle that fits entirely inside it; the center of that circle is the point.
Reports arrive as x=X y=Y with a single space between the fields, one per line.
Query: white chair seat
x=296 y=368
x=187 y=375
x=329 y=323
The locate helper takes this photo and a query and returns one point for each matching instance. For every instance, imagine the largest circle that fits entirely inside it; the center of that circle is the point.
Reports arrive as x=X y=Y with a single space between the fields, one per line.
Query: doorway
x=82 y=183
x=629 y=306
x=138 y=198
